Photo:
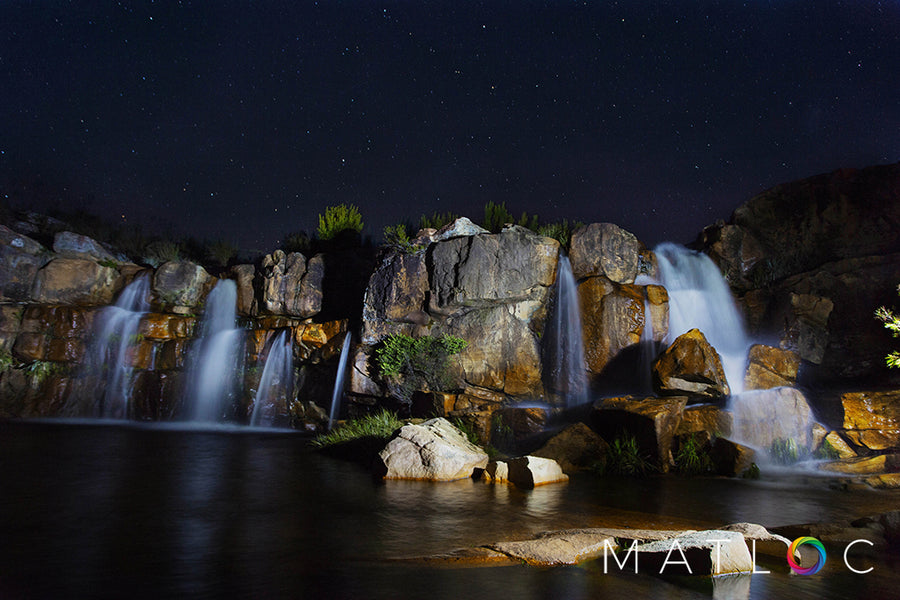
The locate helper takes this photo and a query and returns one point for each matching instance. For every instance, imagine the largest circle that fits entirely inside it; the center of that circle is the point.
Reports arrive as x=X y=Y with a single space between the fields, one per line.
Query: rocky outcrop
x=291 y=284
x=690 y=366
x=76 y=281
x=244 y=277
x=488 y=289
x=432 y=451
x=575 y=448
x=872 y=419
x=604 y=249
x=729 y=458
x=812 y=259
x=559 y=547
x=770 y=367
x=72 y=245
x=864 y=465
x=652 y=421
x=22 y=258
x=706 y=418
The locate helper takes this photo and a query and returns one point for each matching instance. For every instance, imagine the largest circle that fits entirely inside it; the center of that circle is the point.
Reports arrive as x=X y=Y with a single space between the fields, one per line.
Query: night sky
x=244 y=120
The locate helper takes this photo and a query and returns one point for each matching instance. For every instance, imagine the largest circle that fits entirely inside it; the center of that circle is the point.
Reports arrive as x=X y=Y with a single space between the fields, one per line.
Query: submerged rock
x=558 y=547
x=690 y=366
x=714 y=552
x=525 y=472
x=434 y=451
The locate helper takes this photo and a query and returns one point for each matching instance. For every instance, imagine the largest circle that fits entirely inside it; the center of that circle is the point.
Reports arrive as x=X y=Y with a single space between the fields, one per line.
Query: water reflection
x=144 y=512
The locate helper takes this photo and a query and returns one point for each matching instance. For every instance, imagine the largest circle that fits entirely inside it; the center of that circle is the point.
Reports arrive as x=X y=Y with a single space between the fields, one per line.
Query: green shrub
x=220 y=253
x=377 y=426
x=559 y=231
x=625 y=458
x=826 y=451
x=496 y=216
x=162 y=251
x=692 y=457
x=40 y=370
x=467 y=430
x=337 y=219
x=891 y=322
x=751 y=472
x=437 y=220
x=399 y=236
x=784 y=451
x=410 y=364
x=6 y=360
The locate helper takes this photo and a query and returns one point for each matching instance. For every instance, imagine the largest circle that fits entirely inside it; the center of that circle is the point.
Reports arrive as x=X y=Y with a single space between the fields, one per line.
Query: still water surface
x=106 y=511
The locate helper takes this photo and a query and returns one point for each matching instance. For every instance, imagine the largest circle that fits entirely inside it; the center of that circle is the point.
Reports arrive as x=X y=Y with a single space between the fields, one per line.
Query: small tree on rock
x=891 y=322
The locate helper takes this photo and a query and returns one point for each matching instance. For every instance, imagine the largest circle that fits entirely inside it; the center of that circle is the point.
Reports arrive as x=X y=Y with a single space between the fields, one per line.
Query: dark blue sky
x=244 y=120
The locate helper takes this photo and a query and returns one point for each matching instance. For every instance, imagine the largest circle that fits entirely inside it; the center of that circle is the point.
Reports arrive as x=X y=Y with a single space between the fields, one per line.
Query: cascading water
x=699 y=298
x=564 y=347
x=214 y=360
x=649 y=350
x=276 y=384
x=107 y=370
x=339 y=382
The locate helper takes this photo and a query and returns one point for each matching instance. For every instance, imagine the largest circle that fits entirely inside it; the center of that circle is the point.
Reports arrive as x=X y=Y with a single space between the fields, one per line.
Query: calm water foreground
x=89 y=510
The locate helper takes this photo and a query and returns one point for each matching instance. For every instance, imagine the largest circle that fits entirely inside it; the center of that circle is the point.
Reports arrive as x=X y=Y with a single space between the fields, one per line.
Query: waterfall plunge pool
x=147 y=511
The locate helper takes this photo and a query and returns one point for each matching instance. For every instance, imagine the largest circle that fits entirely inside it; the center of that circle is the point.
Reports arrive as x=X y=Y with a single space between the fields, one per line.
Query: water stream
x=276 y=387
x=563 y=346
x=339 y=379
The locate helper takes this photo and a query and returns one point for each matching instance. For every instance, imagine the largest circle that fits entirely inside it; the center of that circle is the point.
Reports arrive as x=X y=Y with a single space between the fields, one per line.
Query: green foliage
x=6 y=360
x=467 y=430
x=40 y=370
x=625 y=458
x=826 y=451
x=437 y=220
x=399 y=236
x=751 y=472
x=410 y=364
x=891 y=322
x=297 y=242
x=496 y=216
x=162 y=251
x=108 y=263
x=380 y=425
x=692 y=457
x=220 y=253
x=560 y=231
x=337 y=219
x=784 y=451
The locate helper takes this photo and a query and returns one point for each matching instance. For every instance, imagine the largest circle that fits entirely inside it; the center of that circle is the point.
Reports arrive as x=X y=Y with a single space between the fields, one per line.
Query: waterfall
x=215 y=358
x=276 y=384
x=649 y=350
x=700 y=298
x=339 y=382
x=108 y=364
x=564 y=346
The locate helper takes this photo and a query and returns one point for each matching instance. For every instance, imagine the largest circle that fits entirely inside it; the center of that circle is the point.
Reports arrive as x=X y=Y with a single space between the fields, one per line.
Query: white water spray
x=276 y=384
x=215 y=358
x=564 y=344
x=109 y=358
x=699 y=298
x=339 y=382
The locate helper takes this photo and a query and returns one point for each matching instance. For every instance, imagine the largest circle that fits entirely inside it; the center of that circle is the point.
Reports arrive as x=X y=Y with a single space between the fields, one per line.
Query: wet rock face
x=770 y=367
x=575 y=448
x=432 y=451
x=762 y=417
x=872 y=419
x=292 y=285
x=690 y=366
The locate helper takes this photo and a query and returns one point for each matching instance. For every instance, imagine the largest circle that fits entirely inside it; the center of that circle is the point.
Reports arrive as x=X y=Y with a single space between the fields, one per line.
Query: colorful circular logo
x=820 y=562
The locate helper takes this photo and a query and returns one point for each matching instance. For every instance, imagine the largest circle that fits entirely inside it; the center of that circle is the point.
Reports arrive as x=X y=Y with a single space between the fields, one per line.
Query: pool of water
x=91 y=510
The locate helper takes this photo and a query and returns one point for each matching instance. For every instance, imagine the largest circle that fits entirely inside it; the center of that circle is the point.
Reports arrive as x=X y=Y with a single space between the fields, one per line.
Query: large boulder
x=75 y=281
x=292 y=285
x=706 y=418
x=575 y=448
x=690 y=366
x=605 y=249
x=762 y=417
x=872 y=419
x=181 y=284
x=770 y=367
x=434 y=450
x=729 y=458
x=21 y=258
x=73 y=245
x=652 y=421
x=244 y=277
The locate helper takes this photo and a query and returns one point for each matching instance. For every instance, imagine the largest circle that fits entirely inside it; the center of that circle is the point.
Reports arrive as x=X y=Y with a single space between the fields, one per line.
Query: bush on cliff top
x=337 y=219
